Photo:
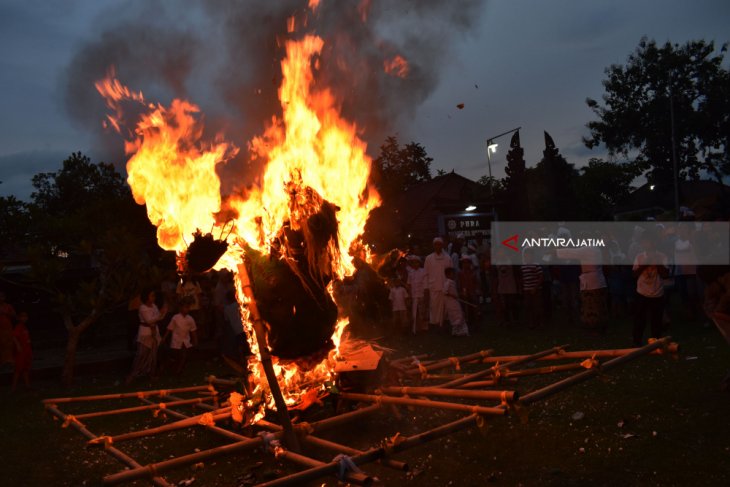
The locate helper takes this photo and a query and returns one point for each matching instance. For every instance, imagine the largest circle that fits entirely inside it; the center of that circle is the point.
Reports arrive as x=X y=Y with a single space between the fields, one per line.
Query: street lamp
x=492 y=147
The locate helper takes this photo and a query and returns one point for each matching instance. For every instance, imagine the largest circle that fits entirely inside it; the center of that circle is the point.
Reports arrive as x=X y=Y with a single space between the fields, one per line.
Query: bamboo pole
x=354 y=478
x=152 y=405
x=340 y=448
x=126 y=395
x=259 y=330
x=342 y=419
x=156 y=468
x=671 y=347
x=403 y=401
x=351 y=477
x=497 y=368
x=587 y=374
x=450 y=362
x=374 y=453
x=311 y=440
x=114 y=452
x=505 y=396
x=183 y=423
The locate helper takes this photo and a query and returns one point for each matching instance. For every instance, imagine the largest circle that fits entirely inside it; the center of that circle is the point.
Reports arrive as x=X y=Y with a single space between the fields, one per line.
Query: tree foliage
x=601 y=185
x=685 y=82
x=398 y=168
x=90 y=245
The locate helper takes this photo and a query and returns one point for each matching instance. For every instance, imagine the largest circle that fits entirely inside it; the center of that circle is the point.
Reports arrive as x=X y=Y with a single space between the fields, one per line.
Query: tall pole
x=489 y=158
x=265 y=356
x=675 y=165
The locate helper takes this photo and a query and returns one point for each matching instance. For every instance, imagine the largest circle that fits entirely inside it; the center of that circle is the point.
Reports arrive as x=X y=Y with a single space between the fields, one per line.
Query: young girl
x=452 y=308
x=23 y=351
x=398 y=296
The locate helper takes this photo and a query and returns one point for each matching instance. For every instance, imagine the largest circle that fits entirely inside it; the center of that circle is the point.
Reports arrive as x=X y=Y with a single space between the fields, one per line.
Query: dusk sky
x=521 y=63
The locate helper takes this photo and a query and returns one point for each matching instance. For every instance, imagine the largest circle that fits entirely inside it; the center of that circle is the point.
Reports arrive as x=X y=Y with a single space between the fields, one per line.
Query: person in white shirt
x=452 y=307
x=650 y=268
x=148 y=337
x=182 y=330
x=398 y=296
x=435 y=265
x=417 y=287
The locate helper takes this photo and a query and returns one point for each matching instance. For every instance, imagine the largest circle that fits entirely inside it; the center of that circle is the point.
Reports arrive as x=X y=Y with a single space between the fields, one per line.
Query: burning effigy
x=293 y=233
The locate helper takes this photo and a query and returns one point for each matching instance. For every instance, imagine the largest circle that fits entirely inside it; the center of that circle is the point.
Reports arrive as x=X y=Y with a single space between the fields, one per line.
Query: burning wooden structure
x=479 y=386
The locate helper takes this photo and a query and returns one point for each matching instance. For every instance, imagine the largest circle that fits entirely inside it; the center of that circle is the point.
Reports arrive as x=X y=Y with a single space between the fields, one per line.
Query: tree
x=14 y=223
x=85 y=213
x=603 y=184
x=551 y=186
x=662 y=89
x=398 y=168
x=517 y=207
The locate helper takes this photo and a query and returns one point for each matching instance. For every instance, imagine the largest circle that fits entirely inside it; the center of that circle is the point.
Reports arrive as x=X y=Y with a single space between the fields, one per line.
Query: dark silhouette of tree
x=601 y=185
x=398 y=168
x=14 y=223
x=686 y=83
x=551 y=183
x=84 y=213
x=516 y=197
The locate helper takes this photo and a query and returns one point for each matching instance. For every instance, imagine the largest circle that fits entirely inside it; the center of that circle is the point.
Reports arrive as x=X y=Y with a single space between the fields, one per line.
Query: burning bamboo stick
x=403 y=401
x=260 y=332
x=505 y=396
x=497 y=368
x=115 y=452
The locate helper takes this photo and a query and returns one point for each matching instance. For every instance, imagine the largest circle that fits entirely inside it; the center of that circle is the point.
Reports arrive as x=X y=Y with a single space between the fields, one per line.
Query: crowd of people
x=451 y=289
x=461 y=280
x=194 y=308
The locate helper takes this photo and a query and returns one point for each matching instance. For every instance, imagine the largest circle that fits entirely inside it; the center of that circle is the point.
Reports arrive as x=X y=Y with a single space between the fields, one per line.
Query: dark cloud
x=17 y=170
x=225 y=56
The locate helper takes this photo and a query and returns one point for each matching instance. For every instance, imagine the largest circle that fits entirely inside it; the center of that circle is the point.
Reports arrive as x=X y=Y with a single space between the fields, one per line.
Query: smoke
x=225 y=55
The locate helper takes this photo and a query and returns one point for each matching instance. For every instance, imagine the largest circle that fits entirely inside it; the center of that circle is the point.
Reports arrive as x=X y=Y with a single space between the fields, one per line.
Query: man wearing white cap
x=435 y=265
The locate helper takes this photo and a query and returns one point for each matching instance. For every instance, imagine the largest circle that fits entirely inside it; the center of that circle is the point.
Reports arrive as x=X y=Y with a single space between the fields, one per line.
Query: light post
x=492 y=147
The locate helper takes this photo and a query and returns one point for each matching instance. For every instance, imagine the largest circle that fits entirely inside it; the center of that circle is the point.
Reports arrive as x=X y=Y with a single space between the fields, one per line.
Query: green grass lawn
x=656 y=421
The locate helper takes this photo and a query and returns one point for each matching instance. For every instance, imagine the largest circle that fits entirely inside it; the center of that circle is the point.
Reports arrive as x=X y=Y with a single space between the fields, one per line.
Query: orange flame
x=173 y=170
x=397 y=66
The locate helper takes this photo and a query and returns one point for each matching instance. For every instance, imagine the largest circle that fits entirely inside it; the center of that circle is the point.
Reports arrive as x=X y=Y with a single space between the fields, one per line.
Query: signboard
x=465 y=225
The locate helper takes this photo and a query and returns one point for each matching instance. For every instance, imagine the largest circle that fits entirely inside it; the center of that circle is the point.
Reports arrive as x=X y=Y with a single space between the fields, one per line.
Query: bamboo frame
x=463 y=388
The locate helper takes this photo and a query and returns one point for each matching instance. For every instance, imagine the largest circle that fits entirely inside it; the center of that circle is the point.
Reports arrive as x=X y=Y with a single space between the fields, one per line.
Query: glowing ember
x=397 y=66
x=310 y=151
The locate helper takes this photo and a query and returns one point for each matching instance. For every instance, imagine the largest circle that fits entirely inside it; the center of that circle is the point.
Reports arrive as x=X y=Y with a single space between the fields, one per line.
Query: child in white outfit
x=452 y=308
x=398 y=296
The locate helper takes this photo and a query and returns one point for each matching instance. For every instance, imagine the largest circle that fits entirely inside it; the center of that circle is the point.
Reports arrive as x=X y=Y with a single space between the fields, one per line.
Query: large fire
x=173 y=171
